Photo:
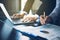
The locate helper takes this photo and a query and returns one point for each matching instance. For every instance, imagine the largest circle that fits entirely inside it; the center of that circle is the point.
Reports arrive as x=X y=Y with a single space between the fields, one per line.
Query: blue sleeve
x=49 y=20
x=54 y=16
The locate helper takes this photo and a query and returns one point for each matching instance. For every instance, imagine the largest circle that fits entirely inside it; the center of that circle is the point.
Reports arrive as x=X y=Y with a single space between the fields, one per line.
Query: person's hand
x=19 y=15
x=29 y=18
x=15 y=16
x=43 y=19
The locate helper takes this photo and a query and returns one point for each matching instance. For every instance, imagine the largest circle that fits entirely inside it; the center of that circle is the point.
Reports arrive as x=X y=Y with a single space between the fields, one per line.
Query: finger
x=42 y=21
x=42 y=17
x=46 y=18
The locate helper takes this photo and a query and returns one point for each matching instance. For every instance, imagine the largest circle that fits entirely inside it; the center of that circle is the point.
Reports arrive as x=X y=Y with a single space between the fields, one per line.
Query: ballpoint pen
x=44 y=15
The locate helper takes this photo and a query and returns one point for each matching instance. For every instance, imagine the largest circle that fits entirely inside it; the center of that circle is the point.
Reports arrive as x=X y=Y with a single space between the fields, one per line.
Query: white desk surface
x=54 y=31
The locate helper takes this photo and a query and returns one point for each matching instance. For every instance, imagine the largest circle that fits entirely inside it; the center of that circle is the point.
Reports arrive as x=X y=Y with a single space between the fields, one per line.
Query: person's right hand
x=30 y=18
x=43 y=19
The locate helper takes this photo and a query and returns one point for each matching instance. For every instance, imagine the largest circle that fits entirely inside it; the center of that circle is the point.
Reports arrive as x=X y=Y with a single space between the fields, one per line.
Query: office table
x=54 y=31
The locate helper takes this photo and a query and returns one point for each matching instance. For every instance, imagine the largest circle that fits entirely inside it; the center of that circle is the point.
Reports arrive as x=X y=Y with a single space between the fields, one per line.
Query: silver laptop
x=8 y=16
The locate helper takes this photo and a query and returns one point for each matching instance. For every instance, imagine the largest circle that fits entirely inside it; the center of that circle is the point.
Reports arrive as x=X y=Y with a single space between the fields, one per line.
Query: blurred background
x=14 y=6
x=37 y=6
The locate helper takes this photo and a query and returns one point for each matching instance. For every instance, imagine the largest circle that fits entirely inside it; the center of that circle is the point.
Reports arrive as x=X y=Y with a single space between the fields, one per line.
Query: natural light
x=23 y=2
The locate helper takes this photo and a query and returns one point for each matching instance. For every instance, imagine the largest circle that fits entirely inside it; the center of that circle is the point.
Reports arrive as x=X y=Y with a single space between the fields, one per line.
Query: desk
x=54 y=31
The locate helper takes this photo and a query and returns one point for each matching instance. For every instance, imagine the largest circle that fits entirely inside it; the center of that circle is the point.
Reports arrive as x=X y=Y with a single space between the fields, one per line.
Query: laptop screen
x=5 y=11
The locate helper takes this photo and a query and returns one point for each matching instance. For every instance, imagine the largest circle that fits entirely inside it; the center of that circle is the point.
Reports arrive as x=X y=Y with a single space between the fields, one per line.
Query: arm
x=54 y=17
x=28 y=5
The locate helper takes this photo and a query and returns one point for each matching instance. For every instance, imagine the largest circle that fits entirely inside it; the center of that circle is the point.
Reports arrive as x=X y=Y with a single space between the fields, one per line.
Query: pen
x=44 y=15
x=43 y=31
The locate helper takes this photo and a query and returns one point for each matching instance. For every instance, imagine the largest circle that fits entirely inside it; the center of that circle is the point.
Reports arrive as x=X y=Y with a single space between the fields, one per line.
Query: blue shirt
x=54 y=17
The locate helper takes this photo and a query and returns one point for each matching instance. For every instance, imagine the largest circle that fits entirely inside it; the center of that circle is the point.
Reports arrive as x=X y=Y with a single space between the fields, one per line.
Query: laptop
x=16 y=22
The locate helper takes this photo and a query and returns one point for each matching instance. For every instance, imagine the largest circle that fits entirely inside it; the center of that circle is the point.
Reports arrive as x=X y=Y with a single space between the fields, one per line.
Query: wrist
x=23 y=12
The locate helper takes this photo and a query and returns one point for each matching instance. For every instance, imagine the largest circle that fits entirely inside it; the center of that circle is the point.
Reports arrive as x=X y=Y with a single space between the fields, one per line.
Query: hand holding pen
x=43 y=18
